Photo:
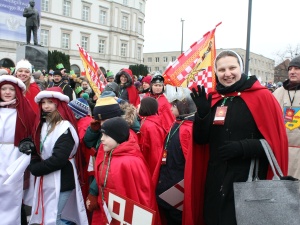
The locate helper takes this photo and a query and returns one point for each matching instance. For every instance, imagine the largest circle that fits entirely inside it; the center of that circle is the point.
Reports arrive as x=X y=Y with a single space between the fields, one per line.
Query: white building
x=111 y=31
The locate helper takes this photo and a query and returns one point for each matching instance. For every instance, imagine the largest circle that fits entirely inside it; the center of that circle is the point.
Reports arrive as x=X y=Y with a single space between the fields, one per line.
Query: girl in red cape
x=231 y=121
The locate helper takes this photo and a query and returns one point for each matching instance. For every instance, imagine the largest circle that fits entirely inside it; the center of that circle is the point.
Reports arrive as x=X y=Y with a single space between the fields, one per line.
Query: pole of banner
x=248 y=38
x=182 y=21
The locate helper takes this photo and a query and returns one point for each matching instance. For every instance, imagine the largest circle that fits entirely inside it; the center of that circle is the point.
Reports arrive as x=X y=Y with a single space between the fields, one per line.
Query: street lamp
x=182 y=21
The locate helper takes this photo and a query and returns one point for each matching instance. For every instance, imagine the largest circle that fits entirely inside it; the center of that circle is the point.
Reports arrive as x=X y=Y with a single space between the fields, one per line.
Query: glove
x=27 y=146
x=95 y=125
x=202 y=103
x=230 y=150
x=92 y=202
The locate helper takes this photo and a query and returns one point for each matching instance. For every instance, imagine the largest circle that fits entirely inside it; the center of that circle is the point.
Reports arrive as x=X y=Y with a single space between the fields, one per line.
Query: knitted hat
x=112 y=86
x=148 y=107
x=57 y=72
x=85 y=96
x=106 y=108
x=295 y=62
x=147 y=79
x=80 y=107
x=117 y=128
x=37 y=74
x=105 y=94
x=3 y=72
x=53 y=92
x=23 y=63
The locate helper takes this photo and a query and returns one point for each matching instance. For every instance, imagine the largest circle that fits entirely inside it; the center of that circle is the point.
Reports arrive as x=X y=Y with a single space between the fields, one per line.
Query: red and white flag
x=97 y=82
x=126 y=211
x=195 y=66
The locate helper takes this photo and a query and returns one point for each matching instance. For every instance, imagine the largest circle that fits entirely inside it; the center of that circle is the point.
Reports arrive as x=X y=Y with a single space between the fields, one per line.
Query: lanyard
x=225 y=99
x=169 y=137
x=292 y=99
x=106 y=173
x=42 y=144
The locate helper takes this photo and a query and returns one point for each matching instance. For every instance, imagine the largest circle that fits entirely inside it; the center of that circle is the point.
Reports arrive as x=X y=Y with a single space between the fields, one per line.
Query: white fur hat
x=13 y=79
x=53 y=92
x=23 y=63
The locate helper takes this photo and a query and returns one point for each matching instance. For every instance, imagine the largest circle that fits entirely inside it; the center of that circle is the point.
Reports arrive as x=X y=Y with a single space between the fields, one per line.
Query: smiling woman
x=23 y=72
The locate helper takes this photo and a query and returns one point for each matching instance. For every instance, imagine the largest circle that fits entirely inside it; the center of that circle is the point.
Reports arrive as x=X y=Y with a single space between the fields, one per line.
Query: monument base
x=35 y=54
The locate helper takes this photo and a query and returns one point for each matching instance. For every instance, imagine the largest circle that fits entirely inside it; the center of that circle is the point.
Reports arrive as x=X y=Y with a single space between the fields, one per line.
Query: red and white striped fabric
x=96 y=82
x=174 y=195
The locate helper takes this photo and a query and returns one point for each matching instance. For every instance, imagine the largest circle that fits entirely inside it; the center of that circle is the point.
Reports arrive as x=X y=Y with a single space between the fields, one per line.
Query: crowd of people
x=64 y=149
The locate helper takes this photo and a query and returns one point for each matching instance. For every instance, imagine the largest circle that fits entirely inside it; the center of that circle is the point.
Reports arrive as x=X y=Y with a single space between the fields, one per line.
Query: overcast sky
x=275 y=24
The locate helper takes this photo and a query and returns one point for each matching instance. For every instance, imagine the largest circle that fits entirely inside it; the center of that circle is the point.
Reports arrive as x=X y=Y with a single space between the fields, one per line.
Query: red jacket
x=151 y=140
x=164 y=110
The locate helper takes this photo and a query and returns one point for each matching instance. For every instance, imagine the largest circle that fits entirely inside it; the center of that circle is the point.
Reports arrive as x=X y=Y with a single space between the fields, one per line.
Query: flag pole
x=182 y=21
x=248 y=38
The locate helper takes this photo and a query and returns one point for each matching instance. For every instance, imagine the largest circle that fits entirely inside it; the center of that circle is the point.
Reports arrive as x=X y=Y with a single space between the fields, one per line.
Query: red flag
x=195 y=66
x=96 y=82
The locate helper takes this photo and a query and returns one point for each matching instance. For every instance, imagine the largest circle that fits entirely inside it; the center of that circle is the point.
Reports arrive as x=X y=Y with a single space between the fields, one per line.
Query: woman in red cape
x=231 y=121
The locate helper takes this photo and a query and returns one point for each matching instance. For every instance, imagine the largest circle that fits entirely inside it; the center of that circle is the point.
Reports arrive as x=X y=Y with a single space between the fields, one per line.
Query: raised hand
x=202 y=103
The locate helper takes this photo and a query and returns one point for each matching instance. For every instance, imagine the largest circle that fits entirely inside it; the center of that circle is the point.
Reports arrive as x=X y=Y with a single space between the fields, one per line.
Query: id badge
x=289 y=115
x=164 y=157
x=220 y=115
x=107 y=214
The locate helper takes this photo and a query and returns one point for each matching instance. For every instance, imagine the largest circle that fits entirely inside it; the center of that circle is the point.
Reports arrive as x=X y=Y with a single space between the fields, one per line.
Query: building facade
x=111 y=31
x=259 y=65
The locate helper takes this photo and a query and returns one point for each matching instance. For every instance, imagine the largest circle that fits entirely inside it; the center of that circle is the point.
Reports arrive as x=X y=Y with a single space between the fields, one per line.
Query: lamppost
x=182 y=21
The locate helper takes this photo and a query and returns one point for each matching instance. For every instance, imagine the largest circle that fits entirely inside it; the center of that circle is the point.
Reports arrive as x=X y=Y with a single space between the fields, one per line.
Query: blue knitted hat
x=80 y=107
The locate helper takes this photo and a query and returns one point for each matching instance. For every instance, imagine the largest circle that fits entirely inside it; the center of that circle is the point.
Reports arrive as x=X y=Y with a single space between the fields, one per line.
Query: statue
x=32 y=22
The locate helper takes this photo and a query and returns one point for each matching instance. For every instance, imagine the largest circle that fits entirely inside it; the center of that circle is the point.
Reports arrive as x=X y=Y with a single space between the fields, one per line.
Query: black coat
x=58 y=161
x=239 y=126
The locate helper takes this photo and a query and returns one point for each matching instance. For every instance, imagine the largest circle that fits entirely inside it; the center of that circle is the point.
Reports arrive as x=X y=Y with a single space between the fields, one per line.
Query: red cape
x=194 y=176
x=30 y=94
x=151 y=141
x=164 y=110
x=133 y=95
x=128 y=176
x=264 y=106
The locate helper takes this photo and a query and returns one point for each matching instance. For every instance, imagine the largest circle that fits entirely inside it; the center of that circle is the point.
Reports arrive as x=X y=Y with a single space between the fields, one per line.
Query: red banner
x=195 y=66
x=96 y=82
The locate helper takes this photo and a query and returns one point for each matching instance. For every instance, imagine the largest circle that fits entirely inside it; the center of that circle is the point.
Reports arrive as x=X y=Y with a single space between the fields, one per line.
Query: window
x=173 y=58
x=65 y=42
x=45 y=5
x=67 y=8
x=139 y=53
x=124 y=22
x=102 y=17
x=44 y=37
x=156 y=68
x=123 y=49
x=86 y=13
x=84 y=42
x=149 y=69
x=156 y=59
x=165 y=58
x=101 y=46
x=141 y=6
x=140 y=27
x=149 y=59
x=125 y=2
